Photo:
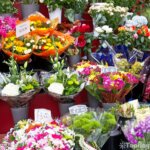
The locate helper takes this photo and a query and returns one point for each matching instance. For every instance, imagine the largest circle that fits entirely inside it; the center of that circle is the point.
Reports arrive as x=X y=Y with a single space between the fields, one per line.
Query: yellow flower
x=9 y=45
x=59 y=44
x=22 y=124
x=114 y=77
x=20 y=49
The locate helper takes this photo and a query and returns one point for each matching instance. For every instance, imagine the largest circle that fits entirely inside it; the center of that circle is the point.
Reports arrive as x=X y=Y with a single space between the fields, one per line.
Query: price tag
x=108 y=69
x=78 y=109
x=42 y=115
x=138 y=53
x=22 y=28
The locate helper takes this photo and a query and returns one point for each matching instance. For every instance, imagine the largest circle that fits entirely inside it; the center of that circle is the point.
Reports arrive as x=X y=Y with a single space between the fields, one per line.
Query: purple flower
x=131 y=139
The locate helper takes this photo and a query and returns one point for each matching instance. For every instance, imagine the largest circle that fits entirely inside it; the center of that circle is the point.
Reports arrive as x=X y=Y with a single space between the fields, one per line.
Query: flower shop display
x=73 y=55
x=19 y=48
x=95 y=127
x=51 y=42
x=28 y=134
x=54 y=8
x=83 y=38
x=28 y=7
x=107 y=14
x=7 y=8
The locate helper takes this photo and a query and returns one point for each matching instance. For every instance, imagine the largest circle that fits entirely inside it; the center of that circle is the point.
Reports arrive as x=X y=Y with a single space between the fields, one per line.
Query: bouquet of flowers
x=28 y=134
x=18 y=87
x=83 y=37
x=41 y=23
x=50 y=42
x=108 y=14
x=88 y=69
x=64 y=83
x=137 y=131
x=112 y=87
x=19 y=48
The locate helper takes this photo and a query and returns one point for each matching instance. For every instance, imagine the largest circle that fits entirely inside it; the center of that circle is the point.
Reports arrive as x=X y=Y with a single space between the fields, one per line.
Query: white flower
x=139 y=21
x=27 y=51
x=57 y=88
x=32 y=41
x=41 y=1
x=10 y=90
x=107 y=29
x=28 y=44
x=99 y=30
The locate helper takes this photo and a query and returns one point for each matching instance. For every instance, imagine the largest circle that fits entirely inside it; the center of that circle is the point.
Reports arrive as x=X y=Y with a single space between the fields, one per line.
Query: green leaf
x=69 y=13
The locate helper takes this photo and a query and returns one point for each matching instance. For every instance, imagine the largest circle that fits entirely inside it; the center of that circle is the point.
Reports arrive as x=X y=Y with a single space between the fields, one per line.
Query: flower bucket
x=108 y=106
x=19 y=113
x=64 y=107
x=77 y=17
x=57 y=13
x=92 y=101
x=73 y=59
x=28 y=9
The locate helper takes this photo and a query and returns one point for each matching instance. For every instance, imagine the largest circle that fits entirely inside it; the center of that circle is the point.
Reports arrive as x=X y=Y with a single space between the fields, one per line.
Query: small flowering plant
x=7 y=24
x=113 y=86
x=83 y=37
x=28 y=134
x=107 y=14
x=18 y=84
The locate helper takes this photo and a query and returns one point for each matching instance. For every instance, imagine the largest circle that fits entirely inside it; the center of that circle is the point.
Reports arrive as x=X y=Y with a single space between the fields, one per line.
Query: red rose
x=84 y=28
x=81 y=41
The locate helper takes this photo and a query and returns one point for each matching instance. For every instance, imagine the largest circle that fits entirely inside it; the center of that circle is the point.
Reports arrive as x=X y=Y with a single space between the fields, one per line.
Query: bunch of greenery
x=6 y=6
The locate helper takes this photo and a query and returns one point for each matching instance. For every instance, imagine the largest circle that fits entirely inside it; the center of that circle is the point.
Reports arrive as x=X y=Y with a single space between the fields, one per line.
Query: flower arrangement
x=20 y=48
x=112 y=87
x=88 y=69
x=83 y=37
x=33 y=135
x=107 y=14
x=63 y=82
x=51 y=42
x=7 y=7
x=17 y=84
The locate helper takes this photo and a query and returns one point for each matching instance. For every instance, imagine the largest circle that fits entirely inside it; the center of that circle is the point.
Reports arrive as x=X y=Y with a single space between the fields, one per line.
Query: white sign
x=42 y=115
x=108 y=69
x=78 y=109
x=22 y=28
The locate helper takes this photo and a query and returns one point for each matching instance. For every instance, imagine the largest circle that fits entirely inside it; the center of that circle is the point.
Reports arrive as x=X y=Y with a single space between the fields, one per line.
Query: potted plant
x=29 y=7
x=73 y=56
x=7 y=8
x=54 y=8
x=74 y=9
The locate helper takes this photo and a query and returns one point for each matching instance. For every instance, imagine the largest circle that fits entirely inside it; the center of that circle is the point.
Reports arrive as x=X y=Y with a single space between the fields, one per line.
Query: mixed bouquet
x=83 y=37
x=18 y=86
x=108 y=14
x=63 y=82
x=88 y=70
x=51 y=42
x=112 y=87
x=20 y=48
x=28 y=134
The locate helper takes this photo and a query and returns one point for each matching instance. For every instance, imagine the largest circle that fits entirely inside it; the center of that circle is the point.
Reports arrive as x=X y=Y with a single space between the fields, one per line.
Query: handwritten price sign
x=22 y=28
x=78 y=109
x=42 y=115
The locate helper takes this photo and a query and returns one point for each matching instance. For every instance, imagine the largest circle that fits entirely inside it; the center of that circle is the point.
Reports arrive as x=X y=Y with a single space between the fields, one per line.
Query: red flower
x=84 y=28
x=139 y=31
x=81 y=42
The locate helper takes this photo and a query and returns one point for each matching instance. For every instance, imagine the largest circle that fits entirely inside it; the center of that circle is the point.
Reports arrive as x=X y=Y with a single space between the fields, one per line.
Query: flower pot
x=108 y=106
x=19 y=113
x=74 y=59
x=64 y=107
x=57 y=13
x=92 y=101
x=28 y=9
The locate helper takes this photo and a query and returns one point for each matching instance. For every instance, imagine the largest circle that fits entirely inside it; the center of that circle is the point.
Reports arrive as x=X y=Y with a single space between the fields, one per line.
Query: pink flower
x=119 y=84
x=135 y=36
x=56 y=136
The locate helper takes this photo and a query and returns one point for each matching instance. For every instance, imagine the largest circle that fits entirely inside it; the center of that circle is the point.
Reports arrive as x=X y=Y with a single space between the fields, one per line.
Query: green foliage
x=30 y=1
x=6 y=6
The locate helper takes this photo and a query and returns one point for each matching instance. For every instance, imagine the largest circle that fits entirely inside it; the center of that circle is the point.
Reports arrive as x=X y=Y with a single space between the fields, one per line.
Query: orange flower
x=122 y=28
x=139 y=31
